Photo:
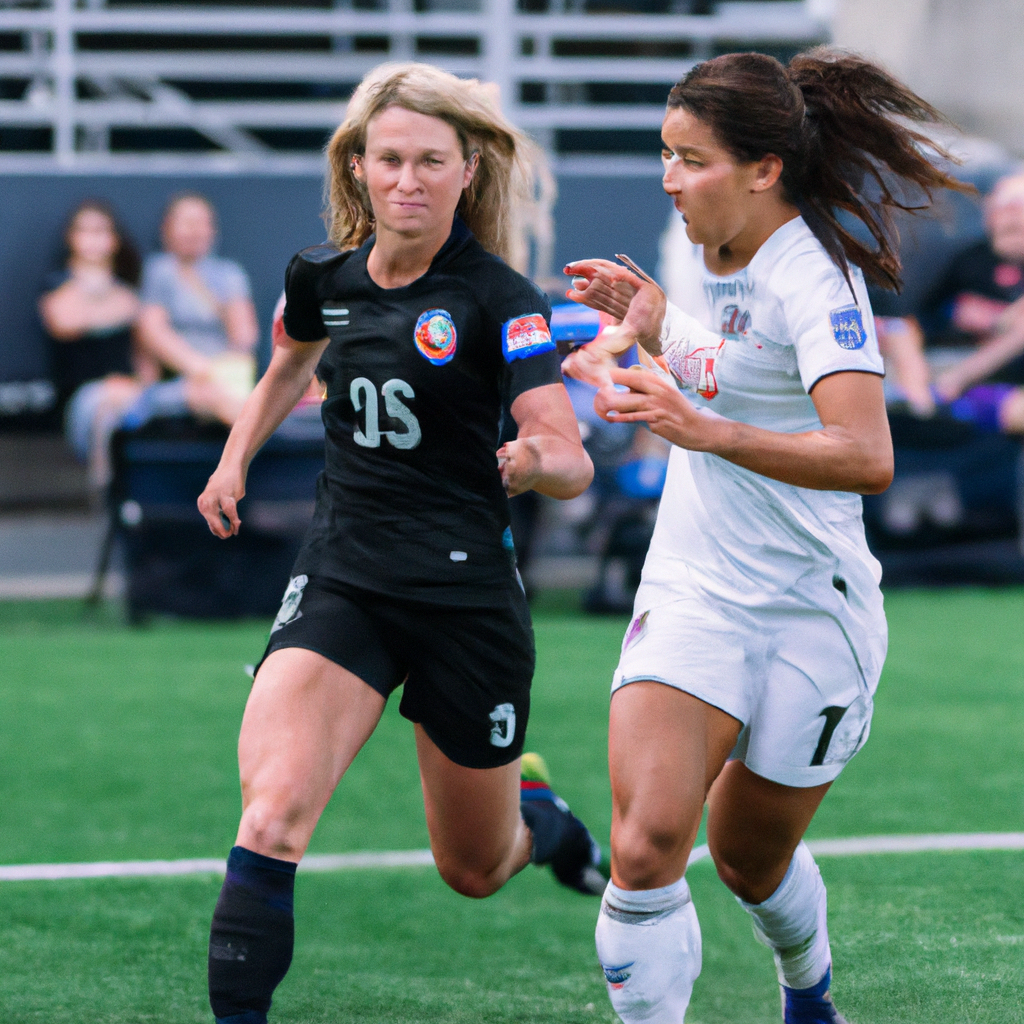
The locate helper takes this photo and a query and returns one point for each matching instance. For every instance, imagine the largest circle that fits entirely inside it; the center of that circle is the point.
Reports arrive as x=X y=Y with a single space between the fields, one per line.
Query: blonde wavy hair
x=498 y=198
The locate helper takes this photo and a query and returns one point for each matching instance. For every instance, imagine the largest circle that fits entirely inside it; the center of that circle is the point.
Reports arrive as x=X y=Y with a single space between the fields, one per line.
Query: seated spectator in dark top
x=974 y=366
x=197 y=320
x=89 y=310
x=979 y=303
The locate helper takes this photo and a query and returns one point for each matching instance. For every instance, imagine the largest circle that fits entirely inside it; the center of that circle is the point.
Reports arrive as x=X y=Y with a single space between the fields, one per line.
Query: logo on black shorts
x=290 y=605
x=503 y=731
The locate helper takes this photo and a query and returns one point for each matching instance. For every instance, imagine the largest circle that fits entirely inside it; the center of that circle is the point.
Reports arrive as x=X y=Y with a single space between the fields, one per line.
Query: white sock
x=792 y=923
x=648 y=942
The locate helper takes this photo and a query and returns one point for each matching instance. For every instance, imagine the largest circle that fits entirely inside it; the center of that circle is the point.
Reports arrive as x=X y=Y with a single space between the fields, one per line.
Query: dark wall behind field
x=263 y=220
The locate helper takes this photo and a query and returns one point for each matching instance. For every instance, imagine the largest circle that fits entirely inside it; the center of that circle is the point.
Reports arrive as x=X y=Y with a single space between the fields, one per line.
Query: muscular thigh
x=665 y=749
x=305 y=721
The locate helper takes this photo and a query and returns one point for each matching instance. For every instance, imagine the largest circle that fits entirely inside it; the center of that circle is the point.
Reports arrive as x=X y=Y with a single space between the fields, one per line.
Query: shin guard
x=648 y=942
x=792 y=923
x=251 y=937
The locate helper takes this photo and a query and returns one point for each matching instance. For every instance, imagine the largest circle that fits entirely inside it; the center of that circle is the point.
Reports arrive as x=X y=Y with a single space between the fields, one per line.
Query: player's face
x=189 y=230
x=414 y=171
x=91 y=237
x=707 y=185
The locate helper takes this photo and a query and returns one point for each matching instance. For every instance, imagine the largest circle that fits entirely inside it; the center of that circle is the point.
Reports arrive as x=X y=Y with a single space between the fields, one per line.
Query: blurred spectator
x=975 y=317
x=89 y=310
x=197 y=320
x=979 y=301
x=907 y=371
x=992 y=406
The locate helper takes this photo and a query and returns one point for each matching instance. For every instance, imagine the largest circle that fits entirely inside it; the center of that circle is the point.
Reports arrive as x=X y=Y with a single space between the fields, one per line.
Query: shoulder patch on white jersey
x=848 y=327
x=525 y=336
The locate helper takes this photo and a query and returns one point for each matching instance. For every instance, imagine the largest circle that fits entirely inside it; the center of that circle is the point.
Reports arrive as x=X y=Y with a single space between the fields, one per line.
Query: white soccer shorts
x=788 y=673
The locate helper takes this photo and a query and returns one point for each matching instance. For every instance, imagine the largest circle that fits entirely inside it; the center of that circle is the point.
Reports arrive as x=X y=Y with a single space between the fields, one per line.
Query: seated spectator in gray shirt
x=197 y=319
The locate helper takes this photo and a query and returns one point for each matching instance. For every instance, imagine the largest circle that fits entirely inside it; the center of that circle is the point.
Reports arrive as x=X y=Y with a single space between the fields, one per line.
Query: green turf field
x=118 y=744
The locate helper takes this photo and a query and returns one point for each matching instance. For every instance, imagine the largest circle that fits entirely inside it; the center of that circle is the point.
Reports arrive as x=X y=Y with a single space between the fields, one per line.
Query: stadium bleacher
x=134 y=101
x=95 y=82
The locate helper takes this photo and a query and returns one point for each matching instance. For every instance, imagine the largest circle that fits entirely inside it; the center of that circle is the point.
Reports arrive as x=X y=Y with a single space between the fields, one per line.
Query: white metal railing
x=134 y=88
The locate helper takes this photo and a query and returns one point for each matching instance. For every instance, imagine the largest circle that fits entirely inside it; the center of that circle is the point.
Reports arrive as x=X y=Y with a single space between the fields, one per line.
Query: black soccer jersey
x=410 y=502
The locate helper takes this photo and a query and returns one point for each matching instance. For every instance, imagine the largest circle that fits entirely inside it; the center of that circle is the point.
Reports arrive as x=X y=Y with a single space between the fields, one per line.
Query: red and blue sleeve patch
x=525 y=336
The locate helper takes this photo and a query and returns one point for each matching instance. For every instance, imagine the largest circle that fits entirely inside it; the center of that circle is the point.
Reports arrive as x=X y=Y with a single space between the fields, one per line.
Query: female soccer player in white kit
x=747 y=673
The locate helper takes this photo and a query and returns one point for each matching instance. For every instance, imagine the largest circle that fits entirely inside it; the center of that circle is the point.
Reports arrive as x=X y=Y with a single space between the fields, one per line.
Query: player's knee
x=475 y=881
x=274 y=829
x=736 y=882
x=645 y=852
x=751 y=878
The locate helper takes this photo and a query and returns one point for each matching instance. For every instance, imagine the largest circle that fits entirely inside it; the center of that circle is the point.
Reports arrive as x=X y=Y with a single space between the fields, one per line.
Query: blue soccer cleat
x=560 y=839
x=811 y=1005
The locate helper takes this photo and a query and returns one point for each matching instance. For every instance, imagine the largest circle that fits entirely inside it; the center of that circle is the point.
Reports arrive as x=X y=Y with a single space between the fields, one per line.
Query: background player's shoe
x=811 y=1005
x=560 y=839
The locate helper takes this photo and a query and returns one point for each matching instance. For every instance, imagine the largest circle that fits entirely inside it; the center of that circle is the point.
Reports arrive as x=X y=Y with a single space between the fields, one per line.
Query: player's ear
x=768 y=170
x=471 y=165
x=355 y=166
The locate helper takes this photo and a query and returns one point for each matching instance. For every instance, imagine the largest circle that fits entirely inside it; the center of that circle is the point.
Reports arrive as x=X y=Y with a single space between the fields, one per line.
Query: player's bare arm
x=288 y=376
x=548 y=455
x=852 y=451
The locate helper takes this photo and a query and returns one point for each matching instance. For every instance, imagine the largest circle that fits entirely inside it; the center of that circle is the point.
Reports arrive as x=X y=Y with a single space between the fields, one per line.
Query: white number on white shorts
x=364 y=396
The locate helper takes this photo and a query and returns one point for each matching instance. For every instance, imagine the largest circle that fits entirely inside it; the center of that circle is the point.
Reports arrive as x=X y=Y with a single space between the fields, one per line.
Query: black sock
x=251 y=937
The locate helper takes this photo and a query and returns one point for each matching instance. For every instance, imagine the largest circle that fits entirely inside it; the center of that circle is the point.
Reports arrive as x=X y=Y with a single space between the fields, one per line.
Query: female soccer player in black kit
x=421 y=334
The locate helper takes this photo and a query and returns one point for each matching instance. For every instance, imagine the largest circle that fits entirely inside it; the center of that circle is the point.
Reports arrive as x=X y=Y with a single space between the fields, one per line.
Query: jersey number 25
x=364 y=395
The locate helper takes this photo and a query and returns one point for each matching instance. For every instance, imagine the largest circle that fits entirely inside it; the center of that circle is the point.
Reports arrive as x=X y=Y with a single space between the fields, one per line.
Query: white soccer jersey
x=782 y=323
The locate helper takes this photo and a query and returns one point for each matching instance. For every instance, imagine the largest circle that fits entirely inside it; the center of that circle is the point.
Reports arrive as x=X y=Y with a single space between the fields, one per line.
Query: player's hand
x=656 y=401
x=592 y=363
x=601 y=285
x=607 y=285
x=520 y=465
x=219 y=503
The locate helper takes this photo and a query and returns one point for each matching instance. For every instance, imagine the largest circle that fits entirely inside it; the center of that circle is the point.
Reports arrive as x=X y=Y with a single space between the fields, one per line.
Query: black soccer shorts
x=467 y=671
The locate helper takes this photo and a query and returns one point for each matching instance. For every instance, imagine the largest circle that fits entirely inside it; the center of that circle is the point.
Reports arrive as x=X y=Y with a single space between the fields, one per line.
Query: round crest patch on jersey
x=435 y=336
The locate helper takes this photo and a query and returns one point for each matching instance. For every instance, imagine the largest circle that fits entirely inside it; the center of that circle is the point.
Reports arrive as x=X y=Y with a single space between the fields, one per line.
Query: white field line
x=898 y=844
x=423 y=858
x=54 y=585
x=206 y=866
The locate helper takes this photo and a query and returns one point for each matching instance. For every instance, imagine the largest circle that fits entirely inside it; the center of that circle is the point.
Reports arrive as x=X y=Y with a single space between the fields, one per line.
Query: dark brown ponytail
x=832 y=118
